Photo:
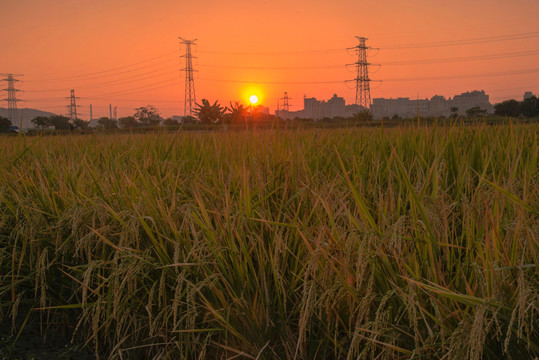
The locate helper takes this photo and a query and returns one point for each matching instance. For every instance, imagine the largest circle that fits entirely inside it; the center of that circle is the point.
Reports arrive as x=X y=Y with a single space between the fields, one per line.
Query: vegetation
x=128 y=122
x=170 y=122
x=210 y=114
x=106 y=123
x=41 y=121
x=528 y=108
x=147 y=115
x=5 y=124
x=309 y=244
x=365 y=115
x=238 y=114
x=475 y=112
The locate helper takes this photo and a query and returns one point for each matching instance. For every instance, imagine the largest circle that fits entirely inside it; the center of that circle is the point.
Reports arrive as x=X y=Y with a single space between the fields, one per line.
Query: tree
x=41 y=121
x=210 y=114
x=237 y=113
x=5 y=124
x=171 y=122
x=507 y=108
x=530 y=107
x=189 y=120
x=81 y=124
x=475 y=112
x=454 y=111
x=107 y=123
x=128 y=122
x=363 y=115
x=60 y=122
x=148 y=115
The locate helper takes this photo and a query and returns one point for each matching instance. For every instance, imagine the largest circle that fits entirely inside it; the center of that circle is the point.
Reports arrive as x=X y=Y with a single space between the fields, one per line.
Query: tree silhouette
x=475 y=111
x=5 y=124
x=81 y=124
x=41 y=121
x=237 y=113
x=148 y=115
x=170 y=122
x=507 y=108
x=128 y=122
x=60 y=122
x=210 y=114
x=107 y=123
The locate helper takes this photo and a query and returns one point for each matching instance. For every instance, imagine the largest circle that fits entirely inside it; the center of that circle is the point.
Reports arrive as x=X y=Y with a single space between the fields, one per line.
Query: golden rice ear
x=393 y=242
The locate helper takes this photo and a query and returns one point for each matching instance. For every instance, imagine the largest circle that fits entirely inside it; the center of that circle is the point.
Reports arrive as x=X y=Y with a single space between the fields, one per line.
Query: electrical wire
x=472 y=76
x=471 y=41
x=107 y=70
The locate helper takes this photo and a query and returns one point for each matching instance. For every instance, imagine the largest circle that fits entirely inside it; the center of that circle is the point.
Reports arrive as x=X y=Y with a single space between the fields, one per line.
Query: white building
x=436 y=106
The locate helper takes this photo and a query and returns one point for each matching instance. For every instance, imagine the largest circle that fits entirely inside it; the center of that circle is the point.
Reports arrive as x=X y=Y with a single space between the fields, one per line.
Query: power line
x=108 y=70
x=164 y=71
x=386 y=63
x=470 y=41
x=472 y=76
x=173 y=81
x=275 y=53
x=272 y=82
x=126 y=80
x=464 y=58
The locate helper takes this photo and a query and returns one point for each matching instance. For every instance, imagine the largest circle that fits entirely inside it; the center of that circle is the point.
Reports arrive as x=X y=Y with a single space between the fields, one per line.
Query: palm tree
x=238 y=113
x=210 y=114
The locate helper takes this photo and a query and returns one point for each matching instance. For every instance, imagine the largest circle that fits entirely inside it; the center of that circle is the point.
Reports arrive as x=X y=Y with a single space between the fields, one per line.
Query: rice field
x=401 y=243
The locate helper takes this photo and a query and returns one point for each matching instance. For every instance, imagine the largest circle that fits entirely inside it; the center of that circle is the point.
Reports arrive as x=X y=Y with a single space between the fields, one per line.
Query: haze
x=127 y=53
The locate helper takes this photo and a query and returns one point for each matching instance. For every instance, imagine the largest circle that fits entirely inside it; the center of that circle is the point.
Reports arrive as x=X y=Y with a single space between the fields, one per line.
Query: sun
x=253 y=99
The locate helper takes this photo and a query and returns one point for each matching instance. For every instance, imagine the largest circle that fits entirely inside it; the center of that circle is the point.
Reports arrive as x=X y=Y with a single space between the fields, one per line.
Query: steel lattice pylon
x=11 y=95
x=362 y=80
x=72 y=107
x=190 y=97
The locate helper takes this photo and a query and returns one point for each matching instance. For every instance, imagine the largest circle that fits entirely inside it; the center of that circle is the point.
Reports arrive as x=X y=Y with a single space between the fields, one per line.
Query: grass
x=303 y=244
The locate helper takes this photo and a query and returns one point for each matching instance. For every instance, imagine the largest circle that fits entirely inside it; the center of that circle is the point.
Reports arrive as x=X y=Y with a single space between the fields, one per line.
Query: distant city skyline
x=402 y=107
x=126 y=53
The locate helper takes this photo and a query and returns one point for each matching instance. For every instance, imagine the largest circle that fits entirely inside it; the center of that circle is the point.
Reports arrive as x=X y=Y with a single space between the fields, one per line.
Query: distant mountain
x=27 y=116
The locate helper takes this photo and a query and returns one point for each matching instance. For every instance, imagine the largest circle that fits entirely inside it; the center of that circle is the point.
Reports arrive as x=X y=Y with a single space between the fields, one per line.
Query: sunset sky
x=127 y=52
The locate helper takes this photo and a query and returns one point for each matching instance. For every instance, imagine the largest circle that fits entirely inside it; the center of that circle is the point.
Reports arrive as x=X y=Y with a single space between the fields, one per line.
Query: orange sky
x=126 y=52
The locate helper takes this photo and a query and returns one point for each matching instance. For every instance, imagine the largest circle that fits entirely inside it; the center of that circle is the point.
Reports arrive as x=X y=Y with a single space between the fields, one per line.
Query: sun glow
x=253 y=99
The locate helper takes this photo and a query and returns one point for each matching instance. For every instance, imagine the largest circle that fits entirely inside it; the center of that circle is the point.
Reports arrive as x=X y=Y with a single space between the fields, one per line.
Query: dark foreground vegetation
x=348 y=243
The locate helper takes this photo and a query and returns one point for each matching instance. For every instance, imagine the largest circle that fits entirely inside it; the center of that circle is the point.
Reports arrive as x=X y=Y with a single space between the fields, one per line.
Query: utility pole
x=190 y=97
x=91 y=114
x=72 y=107
x=11 y=95
x=362 y=80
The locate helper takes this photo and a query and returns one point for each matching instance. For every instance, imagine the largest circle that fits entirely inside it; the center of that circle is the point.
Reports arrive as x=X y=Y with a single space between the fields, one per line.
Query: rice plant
x=305 y=244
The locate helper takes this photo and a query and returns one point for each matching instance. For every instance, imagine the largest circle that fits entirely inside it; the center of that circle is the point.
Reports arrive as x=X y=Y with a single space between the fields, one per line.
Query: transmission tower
x=72 y=107
x=285 y=99
x=363 y=88
x=11 y=95
x=190 y=97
